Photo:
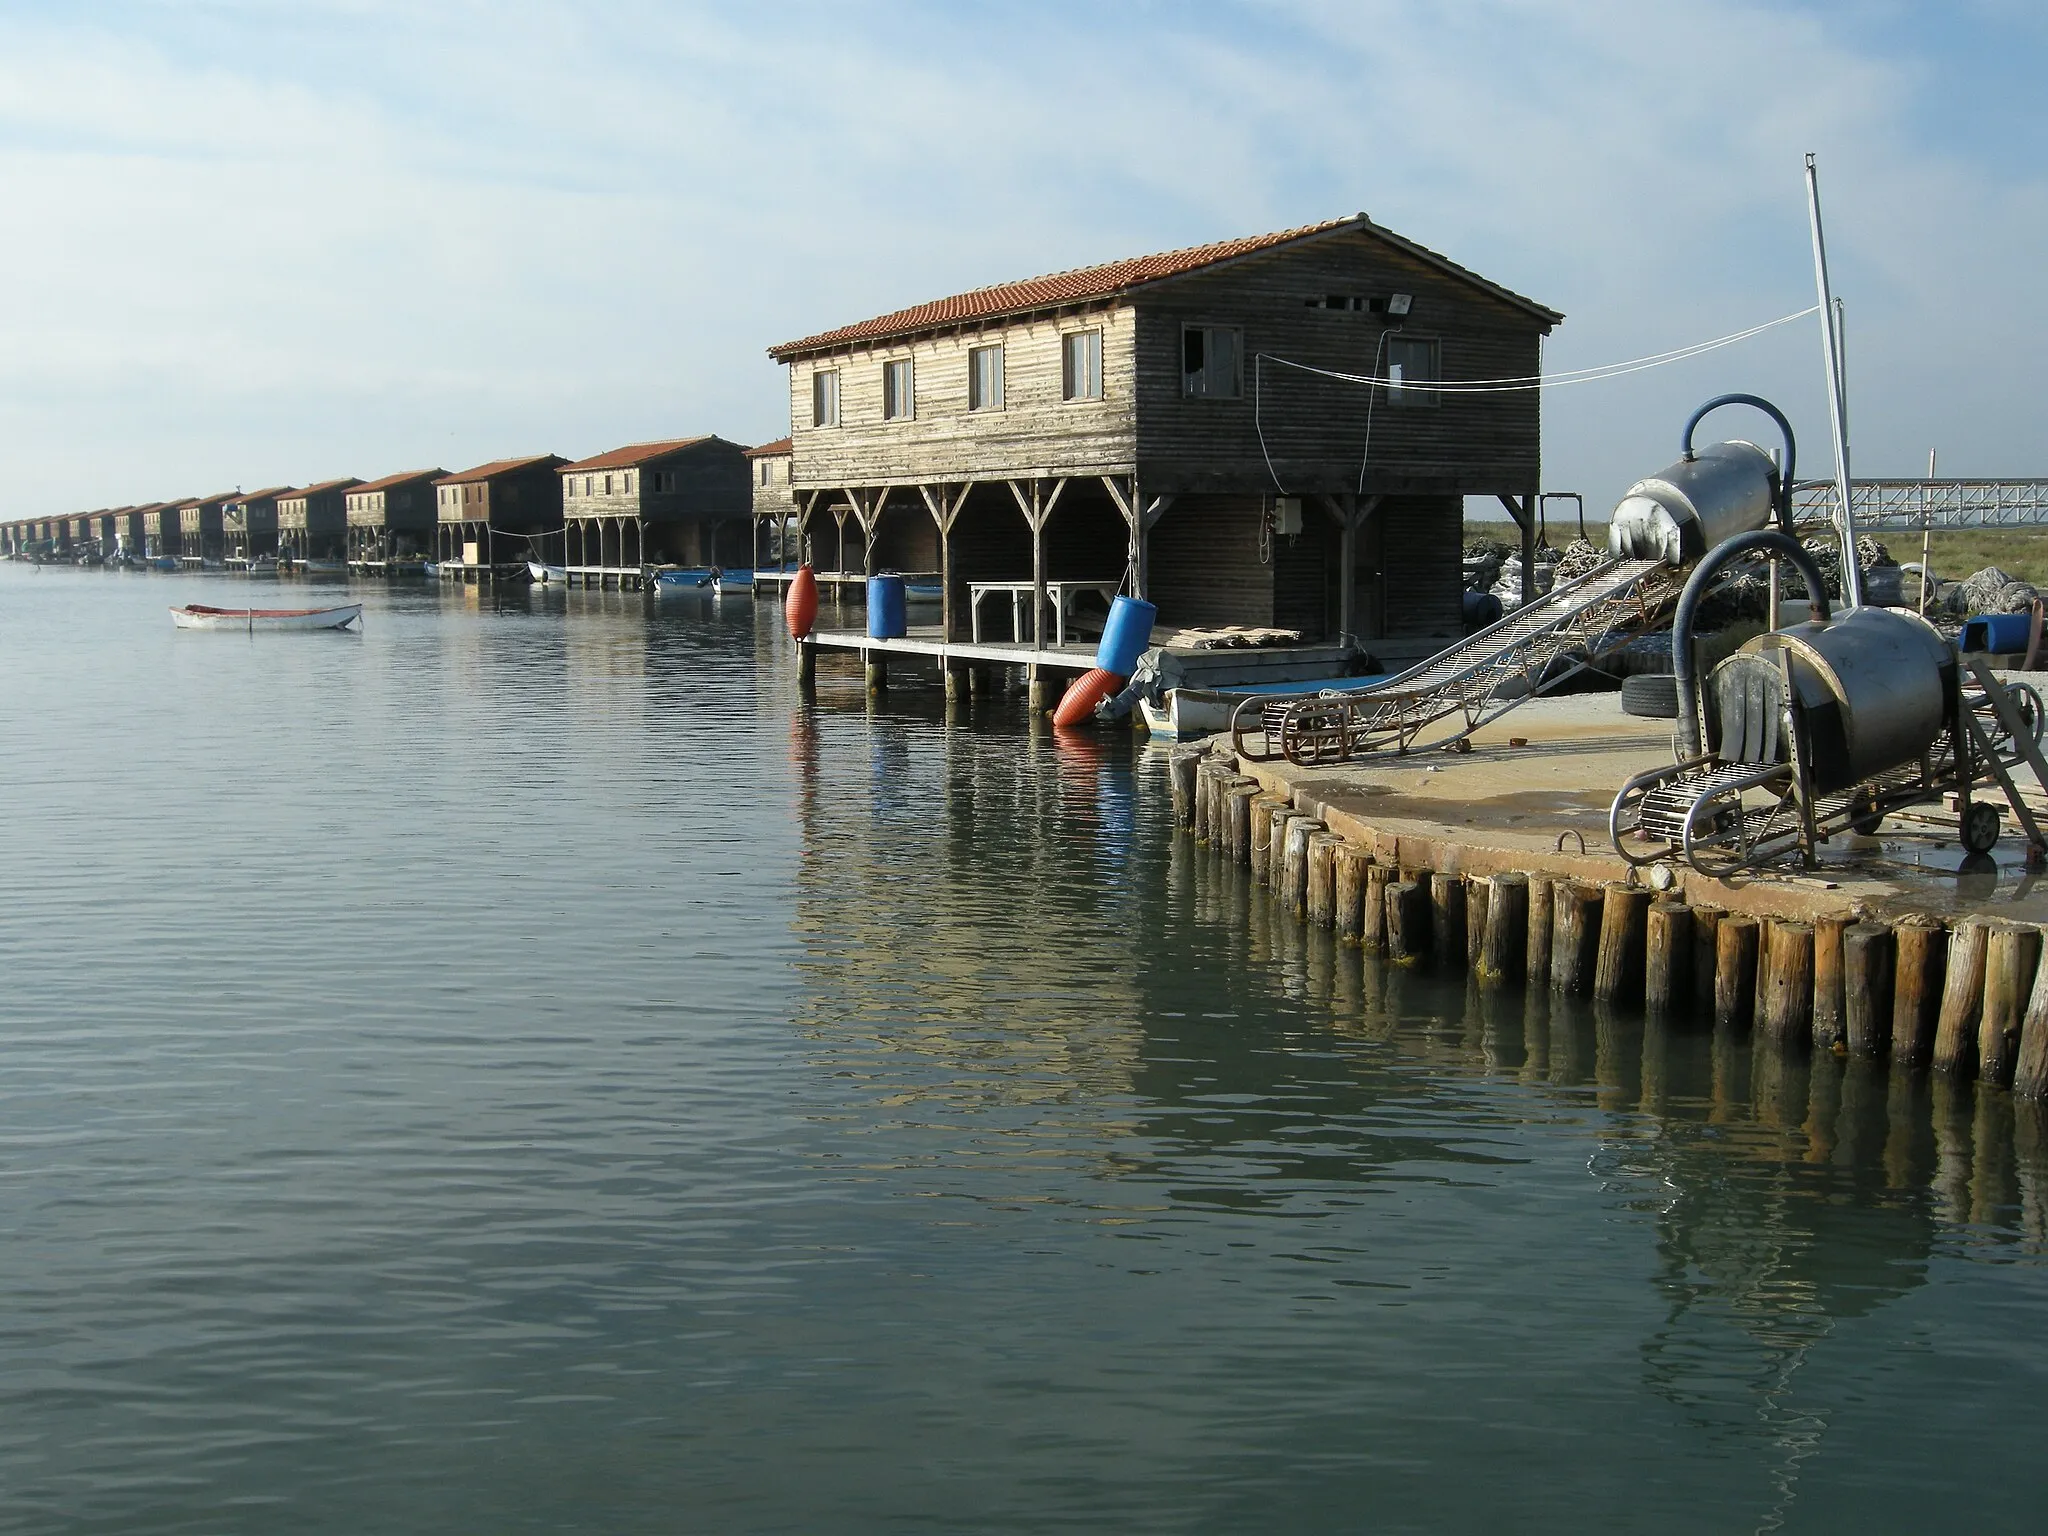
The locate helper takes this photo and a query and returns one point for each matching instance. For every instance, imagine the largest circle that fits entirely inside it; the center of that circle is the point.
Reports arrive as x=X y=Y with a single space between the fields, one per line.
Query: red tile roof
x=637 y=453
x=346 y=483
x=1115 y=279
x=770 y=450
x=272 y=491
x=386 y=481
x=499 y=467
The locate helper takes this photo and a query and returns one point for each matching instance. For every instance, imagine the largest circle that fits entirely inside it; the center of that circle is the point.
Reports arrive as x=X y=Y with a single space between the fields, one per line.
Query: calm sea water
x=522 y=1069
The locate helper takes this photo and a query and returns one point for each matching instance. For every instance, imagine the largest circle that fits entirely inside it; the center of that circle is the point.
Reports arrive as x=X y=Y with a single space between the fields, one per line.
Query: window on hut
x=1411 y=363
x=1081 y=365
x=897 y=400
x=825 y=398
x=985 y=378
x=1209 y=362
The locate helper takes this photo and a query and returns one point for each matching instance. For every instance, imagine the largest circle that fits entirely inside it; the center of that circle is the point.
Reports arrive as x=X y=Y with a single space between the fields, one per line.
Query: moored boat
x=541 y=571
x=705 y=578
x=199 y=616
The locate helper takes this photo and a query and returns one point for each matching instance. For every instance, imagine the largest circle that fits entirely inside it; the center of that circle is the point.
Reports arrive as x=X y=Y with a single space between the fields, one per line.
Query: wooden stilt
x=1180 y=770
x=1293 y=890
x=1320 y=901
x=1237 y=819
x=1372 y=933
x=1667 y=957
x=2030 y=1074
x=1447 y=920
x=1921 y=948
x=1829 y=1002
x=1706 y=965
x=1264 y=808
x=1352 y=862
x=1536 y=942
x=1478 y=899
x=1787 y=1015
x=2010 y=960
x=1408 y=905
x=806 y=664
x=878 y=672
x=1962 y=998
x=1618 y=963
x=1866 y=989
x=1575 y=936
x=1735 y=947
x=1504 y=956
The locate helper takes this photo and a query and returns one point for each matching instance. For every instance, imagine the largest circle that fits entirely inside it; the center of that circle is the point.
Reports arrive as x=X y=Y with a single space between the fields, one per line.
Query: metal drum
x=1685 y=509
x=1872 y=686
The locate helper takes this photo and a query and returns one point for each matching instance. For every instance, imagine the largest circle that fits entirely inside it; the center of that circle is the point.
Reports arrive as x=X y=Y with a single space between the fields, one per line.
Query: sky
x=278 y=241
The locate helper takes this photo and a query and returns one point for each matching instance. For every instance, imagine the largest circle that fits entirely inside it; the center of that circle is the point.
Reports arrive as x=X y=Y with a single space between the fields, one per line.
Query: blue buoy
x=888 y=612
x=1126 y=635
x=1996 y=632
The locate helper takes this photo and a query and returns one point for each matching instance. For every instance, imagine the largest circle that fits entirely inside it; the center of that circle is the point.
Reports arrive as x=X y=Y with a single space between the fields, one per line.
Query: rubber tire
x=1650 y=696
x=1980 y=828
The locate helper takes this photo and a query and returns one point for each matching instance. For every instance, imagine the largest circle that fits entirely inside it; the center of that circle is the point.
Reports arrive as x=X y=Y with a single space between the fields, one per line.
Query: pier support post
x=806 y=663
x=1735 y=948
x=2030 y=1076
x=878 y=672
x=1624 y=922
x=1264 y=809
x=1922 y=950
x=1478 y=903
x=1503 y=955
x=2009 y=963
x=1320 y=904
x=956 y=681
x=1372 y=932
x=1181 y=769
x=1293 y=888
x=1276 y=851
x=1962 y=998
x=1536 y=943
x=1349 y=894
x=1667 y=957
x=1706 y=930
x=1829 y=1001
x=1787 y=1011
x=1237 y=819
x=1447 y=919
x=1407 y=922
x=1866 y=988
x=1039 y=684
x=1574 y=936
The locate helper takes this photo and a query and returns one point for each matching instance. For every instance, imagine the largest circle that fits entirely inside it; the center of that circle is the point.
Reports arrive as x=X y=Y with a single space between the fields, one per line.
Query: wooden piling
x=1618 y=963
x=1264 y=809
x=1205 y=798
x=1181 y=770
x=1920 y=947
x=1352 y=862
x=806 y=664
x=1537 y=940
x=1503 y=955
x=2010 y=959
x=1447 y=920
x=1962 y=998
x=1478 y=901
x=1829 y=1001
x=1667 y=957
x=1787 y=1014
x=878 y=672
x=1237 y=819
x=1372 y=933
x=1320 y=901
x=1735 y=947
x=1866 y=988
x=2030 y=1075
x=1706 y=962
x=1407 y=929
x=1293 y=887
x=1276 y=850
x=1574 y=936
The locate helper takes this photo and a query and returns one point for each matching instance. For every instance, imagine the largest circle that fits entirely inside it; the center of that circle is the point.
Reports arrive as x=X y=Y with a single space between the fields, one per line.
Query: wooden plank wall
x=1205 y=563
x=1421 y=539
x=713 y=484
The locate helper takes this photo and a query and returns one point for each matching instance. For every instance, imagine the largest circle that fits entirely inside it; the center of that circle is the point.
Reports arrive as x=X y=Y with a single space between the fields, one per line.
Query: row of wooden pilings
x=1968 y=999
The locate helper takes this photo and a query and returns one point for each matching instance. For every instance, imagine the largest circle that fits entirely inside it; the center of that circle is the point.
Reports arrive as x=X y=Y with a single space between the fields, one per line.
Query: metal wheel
x=1980 y=828
x=1867 y=819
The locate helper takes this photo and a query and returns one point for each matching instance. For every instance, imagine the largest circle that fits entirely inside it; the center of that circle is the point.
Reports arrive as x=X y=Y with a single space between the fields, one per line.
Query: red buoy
x=1077 y=705
x=800 y=608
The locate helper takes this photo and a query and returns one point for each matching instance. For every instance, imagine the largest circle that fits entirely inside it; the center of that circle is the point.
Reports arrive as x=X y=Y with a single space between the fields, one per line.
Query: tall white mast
x=1838 y=409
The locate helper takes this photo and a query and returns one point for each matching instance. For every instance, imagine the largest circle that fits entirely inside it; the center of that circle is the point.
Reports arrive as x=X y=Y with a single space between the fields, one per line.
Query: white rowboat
x=198 y=616
x=542 y=572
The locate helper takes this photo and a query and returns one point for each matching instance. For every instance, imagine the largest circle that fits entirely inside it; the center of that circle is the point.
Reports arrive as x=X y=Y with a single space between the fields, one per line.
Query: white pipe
x=1852 y=576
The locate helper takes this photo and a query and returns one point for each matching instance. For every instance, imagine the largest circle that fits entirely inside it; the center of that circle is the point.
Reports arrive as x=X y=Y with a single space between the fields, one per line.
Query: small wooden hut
x=496 y=517
x=391 y=521
x=682 y=502
x=249 y=525
x=774 y=506
x=313 y=525
x=201 y=540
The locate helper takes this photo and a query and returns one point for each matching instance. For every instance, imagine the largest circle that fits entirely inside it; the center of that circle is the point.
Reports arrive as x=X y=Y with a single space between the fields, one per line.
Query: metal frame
x=1893 y=505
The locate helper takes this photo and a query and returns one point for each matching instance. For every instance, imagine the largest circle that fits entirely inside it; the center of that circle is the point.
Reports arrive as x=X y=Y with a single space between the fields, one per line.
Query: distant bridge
x=1896 y=504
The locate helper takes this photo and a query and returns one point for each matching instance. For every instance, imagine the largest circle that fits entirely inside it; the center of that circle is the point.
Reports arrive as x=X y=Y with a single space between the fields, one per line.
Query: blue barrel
x=888 y=612
x=1126 y=635
x=1480 y=610
x=1999 y=633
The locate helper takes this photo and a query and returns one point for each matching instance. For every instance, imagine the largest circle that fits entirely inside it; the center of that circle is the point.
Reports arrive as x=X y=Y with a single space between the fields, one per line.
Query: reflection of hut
x=774 y=506
x=249 y=525
x=313 y=525
x=653 y=504
x=391 y=521
x=200 y=537
x=494 y=518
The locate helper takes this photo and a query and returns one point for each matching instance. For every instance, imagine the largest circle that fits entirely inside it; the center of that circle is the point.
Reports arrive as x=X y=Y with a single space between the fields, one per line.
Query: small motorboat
x=199 y=616
x=543 y=573
x=703 y=578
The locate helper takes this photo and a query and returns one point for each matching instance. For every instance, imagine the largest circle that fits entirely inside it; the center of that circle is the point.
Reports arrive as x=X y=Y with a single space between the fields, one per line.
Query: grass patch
x=2019 y=552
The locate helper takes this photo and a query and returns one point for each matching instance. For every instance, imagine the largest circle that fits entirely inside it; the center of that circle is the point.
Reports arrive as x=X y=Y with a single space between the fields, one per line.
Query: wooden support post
x=2010 y=959
x=1237 y=819
x=1181 y=769
x=878 y=671
x=1667 y=957
x=1706 y=965
x=1372 y=933
x=1787 y=1014
x=1922 y=956
x=1264 y=809
x=1478 y=901
x=1205 y=794
x=1038 y=689
x=1407 y=922
x=1352 y=862
x=1735 y=947
x=1829 y=1001
x=806 y=664
x=1504 y=954
x=1320 y=903
x=1962 y=999
x=1276 y=851
x=1447 y=919
x=1536 y=943
x=1866 y=988
x=1293 y=888
x=1618 y=964
x=1574 y=936
x=2030 y=1075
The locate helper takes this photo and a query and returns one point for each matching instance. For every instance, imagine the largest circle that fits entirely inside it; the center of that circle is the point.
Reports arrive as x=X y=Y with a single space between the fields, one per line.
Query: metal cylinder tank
x=1685 y=509
x=1873 y=686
